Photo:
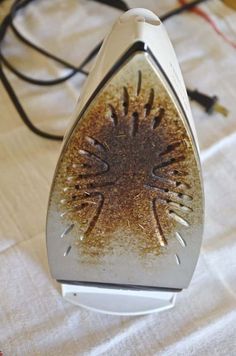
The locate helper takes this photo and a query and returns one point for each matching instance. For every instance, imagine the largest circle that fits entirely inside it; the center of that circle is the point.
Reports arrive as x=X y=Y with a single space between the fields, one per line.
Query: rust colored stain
x=128 y=168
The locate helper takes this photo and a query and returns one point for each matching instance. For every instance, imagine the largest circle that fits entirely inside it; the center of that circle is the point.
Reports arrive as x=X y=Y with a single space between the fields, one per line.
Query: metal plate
x=126 y=200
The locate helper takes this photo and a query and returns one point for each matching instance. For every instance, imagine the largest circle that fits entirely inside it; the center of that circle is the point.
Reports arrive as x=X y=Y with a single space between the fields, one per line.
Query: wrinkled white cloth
x=34 y=319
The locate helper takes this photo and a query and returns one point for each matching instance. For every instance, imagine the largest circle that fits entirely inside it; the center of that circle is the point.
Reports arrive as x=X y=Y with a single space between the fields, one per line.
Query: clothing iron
x=125 y=215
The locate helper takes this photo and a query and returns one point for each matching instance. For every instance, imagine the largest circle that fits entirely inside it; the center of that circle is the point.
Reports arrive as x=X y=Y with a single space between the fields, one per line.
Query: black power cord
x=8 y=23
x=181 y=9
x=209 y=103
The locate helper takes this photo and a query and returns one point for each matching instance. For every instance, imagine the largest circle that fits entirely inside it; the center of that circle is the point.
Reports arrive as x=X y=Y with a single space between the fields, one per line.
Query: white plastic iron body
x=125 y=215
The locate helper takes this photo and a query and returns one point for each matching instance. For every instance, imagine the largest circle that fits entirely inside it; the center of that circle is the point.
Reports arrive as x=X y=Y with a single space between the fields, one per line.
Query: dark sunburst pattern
x=128 y=170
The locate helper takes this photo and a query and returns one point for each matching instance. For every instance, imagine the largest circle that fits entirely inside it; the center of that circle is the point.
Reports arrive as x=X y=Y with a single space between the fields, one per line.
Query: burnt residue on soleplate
x=129 y=168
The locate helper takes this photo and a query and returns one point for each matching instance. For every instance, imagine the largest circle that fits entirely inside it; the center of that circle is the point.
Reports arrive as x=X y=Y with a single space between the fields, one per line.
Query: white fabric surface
x=34 y=319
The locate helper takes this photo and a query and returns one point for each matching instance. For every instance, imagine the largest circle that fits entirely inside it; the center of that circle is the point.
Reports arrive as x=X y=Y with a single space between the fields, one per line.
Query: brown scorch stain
x=129 y=167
